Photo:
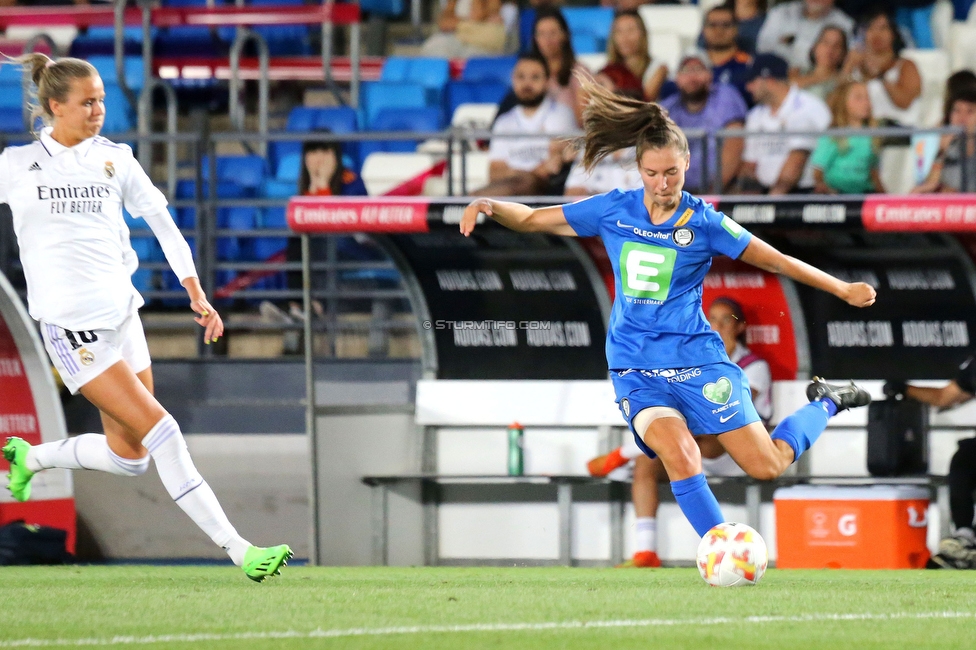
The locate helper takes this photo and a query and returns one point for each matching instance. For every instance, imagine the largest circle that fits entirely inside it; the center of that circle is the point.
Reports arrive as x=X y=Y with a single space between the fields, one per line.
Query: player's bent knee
x=130 y=466
x=764 y=470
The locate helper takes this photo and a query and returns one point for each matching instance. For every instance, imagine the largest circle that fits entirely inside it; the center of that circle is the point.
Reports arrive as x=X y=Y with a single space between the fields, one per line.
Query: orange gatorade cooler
x=856 y=527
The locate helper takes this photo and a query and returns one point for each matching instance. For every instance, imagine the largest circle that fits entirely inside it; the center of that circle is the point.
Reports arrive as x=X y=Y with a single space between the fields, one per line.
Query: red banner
x=930 y=212
x=769 y=331
x=318 y=214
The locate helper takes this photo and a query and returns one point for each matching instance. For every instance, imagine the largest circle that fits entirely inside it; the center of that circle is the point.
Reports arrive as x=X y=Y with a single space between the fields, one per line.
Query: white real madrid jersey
x=74 y=244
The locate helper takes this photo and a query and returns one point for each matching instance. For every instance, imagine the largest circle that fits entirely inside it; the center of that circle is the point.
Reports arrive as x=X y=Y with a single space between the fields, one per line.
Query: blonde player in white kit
x=66 y=191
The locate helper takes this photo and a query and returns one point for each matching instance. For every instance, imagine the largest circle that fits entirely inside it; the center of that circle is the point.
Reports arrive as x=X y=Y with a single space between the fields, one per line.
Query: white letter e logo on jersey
x=645 y=270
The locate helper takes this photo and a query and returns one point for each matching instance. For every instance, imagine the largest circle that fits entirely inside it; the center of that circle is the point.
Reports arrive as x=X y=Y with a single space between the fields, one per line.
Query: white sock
x=646 y=534
x=967 y=533
x=629 y=449
x=185 y=485
x=87 y=451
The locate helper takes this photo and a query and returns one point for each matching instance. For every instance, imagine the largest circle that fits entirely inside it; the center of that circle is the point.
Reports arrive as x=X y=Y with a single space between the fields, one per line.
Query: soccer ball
x=732 y=555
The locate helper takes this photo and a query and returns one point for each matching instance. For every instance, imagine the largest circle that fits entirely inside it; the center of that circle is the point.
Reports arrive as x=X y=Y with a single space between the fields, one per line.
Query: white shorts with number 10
x=81 y=356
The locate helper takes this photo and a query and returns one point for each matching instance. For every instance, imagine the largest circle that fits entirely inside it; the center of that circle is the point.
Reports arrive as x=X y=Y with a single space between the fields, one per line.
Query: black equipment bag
x=22 y=543
x=898 y=432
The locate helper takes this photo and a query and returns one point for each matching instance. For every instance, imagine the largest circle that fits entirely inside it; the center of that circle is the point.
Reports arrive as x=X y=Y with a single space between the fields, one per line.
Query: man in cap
x=701 y=103
x=776 y=163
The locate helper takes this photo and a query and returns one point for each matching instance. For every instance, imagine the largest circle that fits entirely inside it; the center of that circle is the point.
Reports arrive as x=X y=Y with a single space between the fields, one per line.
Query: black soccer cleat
x=843 y=396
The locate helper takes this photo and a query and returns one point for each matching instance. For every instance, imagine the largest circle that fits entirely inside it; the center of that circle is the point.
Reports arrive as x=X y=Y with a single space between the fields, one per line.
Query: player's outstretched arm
x=761 y=255
x=209 y=319
x=517 y=217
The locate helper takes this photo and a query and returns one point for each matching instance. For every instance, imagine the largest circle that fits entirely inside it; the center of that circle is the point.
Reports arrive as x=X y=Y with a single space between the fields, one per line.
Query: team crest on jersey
x=87 y=358
x=109 y=169
x=683 y=237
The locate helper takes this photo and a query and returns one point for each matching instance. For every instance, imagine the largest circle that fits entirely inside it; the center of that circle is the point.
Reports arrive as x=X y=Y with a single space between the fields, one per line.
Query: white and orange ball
x=732 y=555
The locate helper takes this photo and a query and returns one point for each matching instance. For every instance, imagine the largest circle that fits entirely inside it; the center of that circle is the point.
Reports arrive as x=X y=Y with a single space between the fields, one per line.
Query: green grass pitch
x=461 y=608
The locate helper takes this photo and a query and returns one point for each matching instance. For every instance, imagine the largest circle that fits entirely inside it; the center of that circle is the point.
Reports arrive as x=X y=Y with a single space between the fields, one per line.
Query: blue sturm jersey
x=657 y=320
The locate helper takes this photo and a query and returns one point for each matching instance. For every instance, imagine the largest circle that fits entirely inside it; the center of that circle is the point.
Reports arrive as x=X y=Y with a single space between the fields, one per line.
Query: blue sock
x=696 y=500
x=802 y=429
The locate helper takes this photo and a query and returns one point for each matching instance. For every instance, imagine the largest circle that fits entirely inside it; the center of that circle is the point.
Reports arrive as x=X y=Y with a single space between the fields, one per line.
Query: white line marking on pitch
x=478 y=627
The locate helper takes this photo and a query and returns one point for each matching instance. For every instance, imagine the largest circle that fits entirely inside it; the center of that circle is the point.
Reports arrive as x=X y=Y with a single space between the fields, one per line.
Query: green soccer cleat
x=261 y=563
x=19 y=477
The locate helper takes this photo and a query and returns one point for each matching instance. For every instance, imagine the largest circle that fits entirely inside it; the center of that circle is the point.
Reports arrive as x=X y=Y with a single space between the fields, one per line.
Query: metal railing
x=335 y=291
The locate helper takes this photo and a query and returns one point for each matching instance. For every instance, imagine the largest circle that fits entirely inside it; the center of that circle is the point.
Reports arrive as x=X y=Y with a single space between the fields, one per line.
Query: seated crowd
x=800 y=66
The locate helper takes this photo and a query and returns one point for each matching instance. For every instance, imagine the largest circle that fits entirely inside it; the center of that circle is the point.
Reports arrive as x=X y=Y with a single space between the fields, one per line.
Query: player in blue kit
x=671 y=374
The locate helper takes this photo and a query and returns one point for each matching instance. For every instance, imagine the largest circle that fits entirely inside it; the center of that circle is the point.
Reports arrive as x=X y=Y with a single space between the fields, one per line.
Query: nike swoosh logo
x=727 y=418
x=622 y=225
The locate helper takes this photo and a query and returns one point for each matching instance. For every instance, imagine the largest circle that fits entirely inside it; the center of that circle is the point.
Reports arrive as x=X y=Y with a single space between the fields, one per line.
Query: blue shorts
x=714 y=398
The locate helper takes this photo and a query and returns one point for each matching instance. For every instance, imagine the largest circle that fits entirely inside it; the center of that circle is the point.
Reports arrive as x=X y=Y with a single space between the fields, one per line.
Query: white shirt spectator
x=74 y=244
x=616 y=171
x=800 y=111
x=760 y=381
x=527 y=153
x=791 y=35
x=882 y=106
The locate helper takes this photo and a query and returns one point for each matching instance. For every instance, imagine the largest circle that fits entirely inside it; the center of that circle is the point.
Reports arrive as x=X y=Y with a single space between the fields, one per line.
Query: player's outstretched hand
x=860 y=294
x=470 y=216
x=208 y=319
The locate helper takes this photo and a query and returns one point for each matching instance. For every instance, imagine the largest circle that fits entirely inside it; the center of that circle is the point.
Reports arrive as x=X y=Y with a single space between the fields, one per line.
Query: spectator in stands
x=848 y=164
x=536 y=163
x=956 y=82
x=631 y=5
x=720 y=33
x=827 y=59
x=958 y=551
x=630 y=70
x=468 y=28
x=727 y=318
x=616 y=171
x=771 y=163
x=749 y=17
x=792 y=28
x=702 y=103
x=948 y=173
x=552 y=42
x=323 y=172
x=893 y=82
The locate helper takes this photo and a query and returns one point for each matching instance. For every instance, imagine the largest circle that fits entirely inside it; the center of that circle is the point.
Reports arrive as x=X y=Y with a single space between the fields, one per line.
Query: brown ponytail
x=613 y=122
x=52 y=79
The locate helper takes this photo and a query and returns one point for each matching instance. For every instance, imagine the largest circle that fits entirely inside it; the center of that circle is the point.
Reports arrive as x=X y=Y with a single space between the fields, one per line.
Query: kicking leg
x=671 y=440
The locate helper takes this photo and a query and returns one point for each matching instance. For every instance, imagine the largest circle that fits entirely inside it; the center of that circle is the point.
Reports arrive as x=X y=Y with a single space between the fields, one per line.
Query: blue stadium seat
x=338 y=119
x=587 y=43
x=189 y=40
x=289 y=168
x=119 y=115
x=433 y=74
x=379 y=95
x=185 y=190
x=275 y=189
x=235 y=248
x=11 y=89
x=246 y=171
x=595 y=21
x=147 y=249
x=496 y=69
x=274 y=218
x=11 y=119
x=132 y=65
x=391 y=8
x=472 y=92
x=100 y=40
x=402 y=119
